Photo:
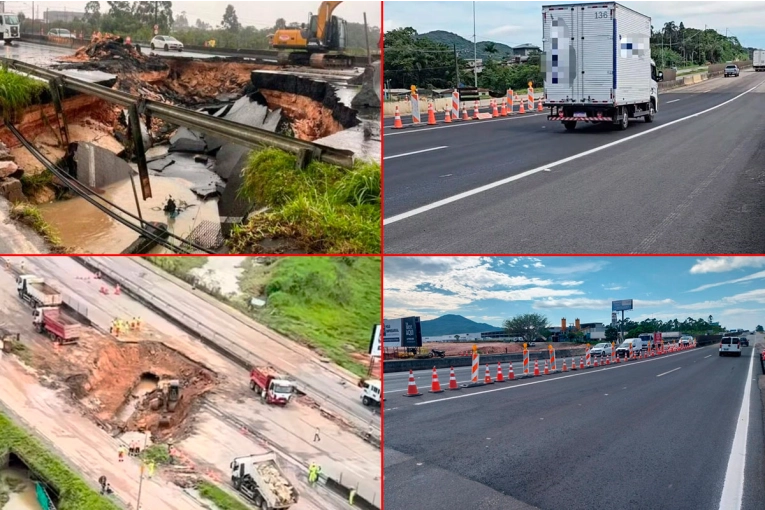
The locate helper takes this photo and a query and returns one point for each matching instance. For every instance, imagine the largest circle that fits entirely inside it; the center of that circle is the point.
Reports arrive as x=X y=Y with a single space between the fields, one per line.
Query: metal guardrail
x=232 y=131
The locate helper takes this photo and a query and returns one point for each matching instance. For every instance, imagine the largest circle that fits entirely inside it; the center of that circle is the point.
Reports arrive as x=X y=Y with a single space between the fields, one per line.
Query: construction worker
x=22 y=266
x=121 y=453
x=316 y=436
x=152 y=466
x=138 y=325
x=351 y=496
x=312 y=474
x=102 y=483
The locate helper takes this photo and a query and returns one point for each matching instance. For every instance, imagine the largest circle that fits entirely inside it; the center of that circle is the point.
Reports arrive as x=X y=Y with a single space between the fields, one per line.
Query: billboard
x=403 y=332
x=374 y=342
x=621 y=305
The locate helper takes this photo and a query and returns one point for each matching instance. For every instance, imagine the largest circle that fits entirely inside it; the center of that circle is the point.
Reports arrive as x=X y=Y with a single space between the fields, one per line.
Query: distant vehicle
x=372 y=392
x=624 y=349
x=686 y=340
x=61 y=32
x=730 y=345
x=166 y=42
x=758 y=60
x=272 y=387
x=602 y=349
x=647 y=341
x=10 y=28
x=744 y=341
x=731 y=70
x=36 y=292
x=59 y=327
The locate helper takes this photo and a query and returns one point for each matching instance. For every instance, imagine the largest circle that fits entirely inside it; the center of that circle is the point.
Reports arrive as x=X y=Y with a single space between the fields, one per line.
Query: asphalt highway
x=691 y=182
x=665 y=433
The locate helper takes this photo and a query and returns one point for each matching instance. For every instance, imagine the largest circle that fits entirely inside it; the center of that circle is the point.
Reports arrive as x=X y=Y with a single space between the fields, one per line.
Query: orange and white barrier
x=455 y=104
x=510 y=99
x=415 y=102
x=587 y=357
x=525 y=362
x=531 y=98
x=474 y=369
x=553 y=365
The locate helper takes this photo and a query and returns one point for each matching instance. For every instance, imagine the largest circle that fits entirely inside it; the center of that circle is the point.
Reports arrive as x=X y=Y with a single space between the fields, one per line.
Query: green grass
x=178 y=266
x=220 y=498
x=327 y=303
x=31 y=184
x=73 y=492
x=322 y=209
x=32 y=217
x=157 y=454
x=17 y=92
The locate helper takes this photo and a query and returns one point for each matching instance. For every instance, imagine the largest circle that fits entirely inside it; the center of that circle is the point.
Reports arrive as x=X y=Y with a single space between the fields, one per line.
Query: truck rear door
x=578 y=59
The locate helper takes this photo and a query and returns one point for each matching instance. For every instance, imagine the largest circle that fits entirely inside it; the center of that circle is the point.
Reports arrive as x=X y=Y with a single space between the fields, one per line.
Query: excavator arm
x=324 y=17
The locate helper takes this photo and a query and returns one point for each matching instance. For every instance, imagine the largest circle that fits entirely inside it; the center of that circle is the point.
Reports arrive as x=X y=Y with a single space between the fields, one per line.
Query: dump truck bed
x=44 y=293
x=275 y=488
x=62 y=325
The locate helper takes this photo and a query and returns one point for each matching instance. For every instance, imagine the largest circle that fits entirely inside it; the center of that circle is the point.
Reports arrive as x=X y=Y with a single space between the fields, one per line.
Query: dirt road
x=215 y=435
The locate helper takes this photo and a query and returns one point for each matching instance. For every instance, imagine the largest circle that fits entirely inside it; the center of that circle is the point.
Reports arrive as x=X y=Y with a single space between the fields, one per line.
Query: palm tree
x=490 y=48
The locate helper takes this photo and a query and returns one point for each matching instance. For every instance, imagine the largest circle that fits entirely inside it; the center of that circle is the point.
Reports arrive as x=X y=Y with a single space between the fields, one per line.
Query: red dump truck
x=59 y=327
x=272 y=387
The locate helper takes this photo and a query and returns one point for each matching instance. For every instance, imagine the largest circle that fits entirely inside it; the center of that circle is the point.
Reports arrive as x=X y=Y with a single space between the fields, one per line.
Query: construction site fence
x=69 y=42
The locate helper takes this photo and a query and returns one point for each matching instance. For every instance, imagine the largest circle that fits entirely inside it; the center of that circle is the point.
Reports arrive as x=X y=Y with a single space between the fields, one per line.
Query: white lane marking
x=502 y=182
x=665 y=373
x=462 y=123
x=631 y=364
x=705 y=357
x=733 y=488
x=673 y=101
x=416 y=152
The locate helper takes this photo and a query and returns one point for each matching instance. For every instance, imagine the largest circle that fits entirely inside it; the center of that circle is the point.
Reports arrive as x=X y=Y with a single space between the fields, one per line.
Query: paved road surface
x=651 y=434
x=291 y=428
x=692 y=186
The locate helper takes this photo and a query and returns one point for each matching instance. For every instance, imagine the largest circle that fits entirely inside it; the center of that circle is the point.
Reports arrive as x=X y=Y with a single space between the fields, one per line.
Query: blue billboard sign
x=621 y=305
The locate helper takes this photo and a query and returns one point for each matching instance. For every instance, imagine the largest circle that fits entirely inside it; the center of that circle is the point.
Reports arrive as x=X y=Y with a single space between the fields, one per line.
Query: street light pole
x=475 y=52
x=140 y=482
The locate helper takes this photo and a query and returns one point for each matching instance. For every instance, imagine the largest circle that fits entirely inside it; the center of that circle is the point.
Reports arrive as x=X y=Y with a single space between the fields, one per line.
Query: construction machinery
x=60 y=328
x=272 y=387
x=166 y=399
x=262 y=481
x=8 y=340
x=319 y=44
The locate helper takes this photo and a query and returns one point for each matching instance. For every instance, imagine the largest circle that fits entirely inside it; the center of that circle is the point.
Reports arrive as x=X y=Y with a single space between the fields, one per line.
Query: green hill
x=454 y=325
x=465 y=47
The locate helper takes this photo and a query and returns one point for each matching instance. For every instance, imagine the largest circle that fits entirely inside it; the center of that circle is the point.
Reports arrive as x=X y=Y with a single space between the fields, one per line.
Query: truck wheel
x=570 y=125
x=258 y=500
x=252 y=385
x=625 y=120
x=264 y=506
x=365 y=401
x=651 y=114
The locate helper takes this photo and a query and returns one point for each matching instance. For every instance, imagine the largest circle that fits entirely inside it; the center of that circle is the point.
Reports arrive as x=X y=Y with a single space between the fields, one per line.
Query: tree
x=710 y=319
x=527 y=325
x=457 y=337
x=759 y=329
x=93 y=9
x=230 y=20
x=280 y=24
x=490 y=48
x=181 y=21
x=612 y=334
x=202 y=25
x=119 y=9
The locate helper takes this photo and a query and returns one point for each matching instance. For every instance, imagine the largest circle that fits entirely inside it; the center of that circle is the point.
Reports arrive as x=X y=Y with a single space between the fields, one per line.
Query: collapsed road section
x=131 y=120
x=132 y=371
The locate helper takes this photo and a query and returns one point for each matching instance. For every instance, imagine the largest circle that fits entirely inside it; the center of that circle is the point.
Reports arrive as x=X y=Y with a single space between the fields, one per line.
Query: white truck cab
x=10 y=27
x=372 y=392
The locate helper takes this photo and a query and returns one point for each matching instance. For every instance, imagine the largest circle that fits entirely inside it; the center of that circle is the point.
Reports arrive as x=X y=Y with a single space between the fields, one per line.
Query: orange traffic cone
x=540 y=108
x=596 y=362
x=565 y=369
x=475 y=110
x=522 y=109
x=547 y=369
x=581 y=363
x=448 y=117
x=453 y=380
x=117 y=290
x=411 y=390
x=536 y=368
x=431 y=115
x=494 y=111
x=487 y=377
x=500 y=377
x=503 y=110
x=397 y=120
x=464 y=113
x=435 y=386
x=510 y=374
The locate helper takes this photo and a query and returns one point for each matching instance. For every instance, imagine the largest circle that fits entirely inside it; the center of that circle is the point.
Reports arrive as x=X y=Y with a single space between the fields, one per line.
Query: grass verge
x=17 y=92
x=74 y=493
x=30 y=216
x=32 y=184
x=327 y=303
x=220 y=498
x=322 y=209
x=178 y=266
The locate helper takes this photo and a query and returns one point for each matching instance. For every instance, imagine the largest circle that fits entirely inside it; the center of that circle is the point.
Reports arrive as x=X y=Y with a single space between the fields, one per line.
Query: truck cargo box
x=758 y=60
x=596 y=53
x=64 y=328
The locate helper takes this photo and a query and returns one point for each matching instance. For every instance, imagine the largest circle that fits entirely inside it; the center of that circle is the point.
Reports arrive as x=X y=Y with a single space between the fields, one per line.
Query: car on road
x=686 y=340
x=744 y=341
x=731 y=70
x=624 y=349
x=61 y=32
x=730 y=345
x=602 y=349
x=166 y=42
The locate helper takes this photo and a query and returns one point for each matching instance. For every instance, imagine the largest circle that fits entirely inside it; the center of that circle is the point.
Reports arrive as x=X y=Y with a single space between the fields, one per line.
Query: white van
x=624 y=349
x=9 y=27
x=730 y=345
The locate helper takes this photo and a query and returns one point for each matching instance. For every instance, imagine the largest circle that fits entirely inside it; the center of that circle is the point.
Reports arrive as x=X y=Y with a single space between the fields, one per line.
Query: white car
x=730 y=345
x=602 y=349
x=61 y=32
x=686 y=340
x=166 y=42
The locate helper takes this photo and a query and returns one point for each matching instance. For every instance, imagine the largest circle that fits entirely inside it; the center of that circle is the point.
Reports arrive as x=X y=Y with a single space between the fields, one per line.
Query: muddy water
x=24 y=500
x=85 y=229
x=221 y=272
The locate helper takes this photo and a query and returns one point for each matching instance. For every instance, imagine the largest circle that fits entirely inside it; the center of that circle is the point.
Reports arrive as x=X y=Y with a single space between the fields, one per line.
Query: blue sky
x=491 y=289
x=515 y=23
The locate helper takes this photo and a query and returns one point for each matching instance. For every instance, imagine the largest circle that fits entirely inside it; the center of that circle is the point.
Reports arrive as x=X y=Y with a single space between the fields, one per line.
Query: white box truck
x=597 y=64
x=10 y=28
x=36 y=292
x=758 y=60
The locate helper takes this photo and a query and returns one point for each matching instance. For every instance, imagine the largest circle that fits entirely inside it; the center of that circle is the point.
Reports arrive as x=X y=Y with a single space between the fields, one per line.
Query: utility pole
x=156 y=12
x=475 y=52
x=456 y=67
x=366 y=32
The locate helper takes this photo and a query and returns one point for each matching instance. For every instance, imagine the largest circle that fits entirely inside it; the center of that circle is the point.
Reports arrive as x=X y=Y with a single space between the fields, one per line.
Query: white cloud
x=752 y=296
x=724 y=264
x=615 y=287
x=504 y=31
x=754 y=276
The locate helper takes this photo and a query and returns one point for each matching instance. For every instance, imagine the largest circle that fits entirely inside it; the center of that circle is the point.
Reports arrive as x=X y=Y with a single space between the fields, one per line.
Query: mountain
x=454 y=325
x=465 y=47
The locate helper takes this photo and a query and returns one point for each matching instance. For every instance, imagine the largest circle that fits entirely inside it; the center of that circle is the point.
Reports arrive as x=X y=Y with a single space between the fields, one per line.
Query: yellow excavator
x=319 y=44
